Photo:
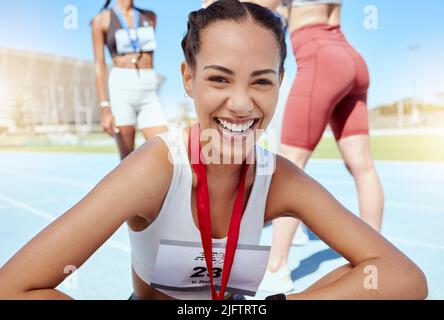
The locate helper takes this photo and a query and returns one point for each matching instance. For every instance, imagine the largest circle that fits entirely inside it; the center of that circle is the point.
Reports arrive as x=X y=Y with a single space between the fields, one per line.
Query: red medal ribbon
x=204 y=216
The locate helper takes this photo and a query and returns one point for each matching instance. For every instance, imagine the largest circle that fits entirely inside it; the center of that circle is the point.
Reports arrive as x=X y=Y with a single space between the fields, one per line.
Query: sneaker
x=300 y=237
x=277 y=282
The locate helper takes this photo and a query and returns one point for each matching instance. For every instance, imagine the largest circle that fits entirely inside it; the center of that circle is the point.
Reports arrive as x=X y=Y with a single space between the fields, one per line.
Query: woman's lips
x=229 y=135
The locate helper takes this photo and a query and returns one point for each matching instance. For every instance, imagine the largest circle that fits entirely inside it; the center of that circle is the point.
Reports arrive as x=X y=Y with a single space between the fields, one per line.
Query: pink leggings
x=330 y=87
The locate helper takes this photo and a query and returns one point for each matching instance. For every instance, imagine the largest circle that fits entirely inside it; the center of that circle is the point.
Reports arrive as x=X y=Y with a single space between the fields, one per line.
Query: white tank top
x=175 y=221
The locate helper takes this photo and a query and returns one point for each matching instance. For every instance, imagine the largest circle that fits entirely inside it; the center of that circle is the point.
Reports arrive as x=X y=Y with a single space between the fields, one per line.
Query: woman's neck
x=125 y=5
x=224 y=170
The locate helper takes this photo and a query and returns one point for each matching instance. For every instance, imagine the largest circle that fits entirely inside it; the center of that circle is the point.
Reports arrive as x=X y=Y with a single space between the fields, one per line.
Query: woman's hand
x=107 y=122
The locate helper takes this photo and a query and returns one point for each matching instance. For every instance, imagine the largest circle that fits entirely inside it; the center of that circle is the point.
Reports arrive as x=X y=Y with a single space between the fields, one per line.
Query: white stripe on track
x=45 y=215
x=417 y=243
x=400 y=205
x=54 y=179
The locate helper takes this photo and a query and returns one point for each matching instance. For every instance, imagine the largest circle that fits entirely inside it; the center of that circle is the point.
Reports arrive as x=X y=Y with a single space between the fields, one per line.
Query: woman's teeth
x=236 y=127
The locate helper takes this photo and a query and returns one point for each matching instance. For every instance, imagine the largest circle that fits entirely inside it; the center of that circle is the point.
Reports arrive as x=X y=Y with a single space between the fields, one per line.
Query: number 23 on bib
x=181 y=266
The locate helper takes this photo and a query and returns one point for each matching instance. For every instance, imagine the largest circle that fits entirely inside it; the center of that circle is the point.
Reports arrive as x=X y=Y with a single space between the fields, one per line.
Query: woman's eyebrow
x=231 y=72
x=261 y=72
x=219 y=68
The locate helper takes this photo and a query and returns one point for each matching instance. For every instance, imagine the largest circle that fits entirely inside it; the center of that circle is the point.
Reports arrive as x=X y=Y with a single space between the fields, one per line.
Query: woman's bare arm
x=100 y=68
x=137 y=186
x=99 y=27
x=369 y=253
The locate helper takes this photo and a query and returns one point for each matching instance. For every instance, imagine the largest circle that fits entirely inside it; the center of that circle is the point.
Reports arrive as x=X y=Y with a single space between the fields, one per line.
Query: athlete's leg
x=350 y=126
x=316 y=90
x=356 y=153
x=125 y=140
x=286 y=226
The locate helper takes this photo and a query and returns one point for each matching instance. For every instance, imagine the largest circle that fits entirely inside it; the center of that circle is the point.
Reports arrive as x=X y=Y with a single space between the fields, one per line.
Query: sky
x=394 y=70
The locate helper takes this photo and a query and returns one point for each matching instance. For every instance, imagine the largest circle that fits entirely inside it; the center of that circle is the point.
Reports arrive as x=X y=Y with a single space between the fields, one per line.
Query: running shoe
x=277 y=282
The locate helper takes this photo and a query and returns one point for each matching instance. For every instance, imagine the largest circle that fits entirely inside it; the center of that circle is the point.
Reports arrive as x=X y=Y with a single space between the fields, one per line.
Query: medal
x=204 y=216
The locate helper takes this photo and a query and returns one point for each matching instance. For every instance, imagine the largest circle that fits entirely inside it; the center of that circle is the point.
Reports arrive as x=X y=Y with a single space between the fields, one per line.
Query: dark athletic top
x=115 y=26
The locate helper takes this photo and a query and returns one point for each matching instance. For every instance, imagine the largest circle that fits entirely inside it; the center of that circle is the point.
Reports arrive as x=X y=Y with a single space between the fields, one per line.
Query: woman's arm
x=101 y=70
x=377 y=269
x=137 y=186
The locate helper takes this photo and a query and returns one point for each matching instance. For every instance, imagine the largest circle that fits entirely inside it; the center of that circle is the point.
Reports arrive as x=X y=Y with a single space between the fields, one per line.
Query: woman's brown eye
x=263 y=82
x=218 y=79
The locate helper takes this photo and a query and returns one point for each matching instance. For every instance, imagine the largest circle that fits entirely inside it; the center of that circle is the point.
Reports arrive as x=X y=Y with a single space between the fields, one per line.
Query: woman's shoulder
x=102 y=19
x=151 y=15
x=154 y=152
x=147 y=12
x=286 y=172
x=149 y=167
x=151 y=160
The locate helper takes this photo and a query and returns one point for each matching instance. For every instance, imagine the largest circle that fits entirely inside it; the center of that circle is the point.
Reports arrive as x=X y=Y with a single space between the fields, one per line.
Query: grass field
x=402 y=147
x=414 y=148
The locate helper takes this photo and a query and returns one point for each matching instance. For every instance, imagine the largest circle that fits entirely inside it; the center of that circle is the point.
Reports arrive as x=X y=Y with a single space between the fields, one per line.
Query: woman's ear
x=187 y=78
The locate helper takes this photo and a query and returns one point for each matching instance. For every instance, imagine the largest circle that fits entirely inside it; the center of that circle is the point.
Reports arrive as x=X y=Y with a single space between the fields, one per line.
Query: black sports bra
x=117 y=39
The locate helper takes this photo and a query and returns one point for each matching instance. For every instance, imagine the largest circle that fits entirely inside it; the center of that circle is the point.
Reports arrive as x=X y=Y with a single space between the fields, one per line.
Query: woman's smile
x=232 y=128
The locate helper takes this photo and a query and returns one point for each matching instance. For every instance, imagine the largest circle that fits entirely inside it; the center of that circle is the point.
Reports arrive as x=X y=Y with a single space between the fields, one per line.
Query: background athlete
x=132 y=82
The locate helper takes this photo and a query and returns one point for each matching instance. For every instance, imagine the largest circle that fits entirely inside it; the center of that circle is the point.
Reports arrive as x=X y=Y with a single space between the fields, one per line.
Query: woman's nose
x=240 y=103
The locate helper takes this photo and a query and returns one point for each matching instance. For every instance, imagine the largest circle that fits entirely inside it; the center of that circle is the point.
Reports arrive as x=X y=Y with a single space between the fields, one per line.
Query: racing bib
x=181 y=266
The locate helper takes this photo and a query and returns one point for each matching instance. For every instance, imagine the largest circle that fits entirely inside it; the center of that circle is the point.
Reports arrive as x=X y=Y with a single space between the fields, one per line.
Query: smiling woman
x=187 y=244
x=247 y=88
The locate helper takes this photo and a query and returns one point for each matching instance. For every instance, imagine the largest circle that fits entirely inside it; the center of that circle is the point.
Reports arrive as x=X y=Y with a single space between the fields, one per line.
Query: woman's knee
x=360 y=165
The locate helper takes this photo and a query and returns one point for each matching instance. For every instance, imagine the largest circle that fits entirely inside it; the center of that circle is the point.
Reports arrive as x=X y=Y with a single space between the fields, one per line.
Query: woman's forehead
x=239 y=41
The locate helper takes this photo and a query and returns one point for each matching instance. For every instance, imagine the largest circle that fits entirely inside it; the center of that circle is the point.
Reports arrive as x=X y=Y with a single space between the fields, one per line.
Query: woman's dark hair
x=230 y=10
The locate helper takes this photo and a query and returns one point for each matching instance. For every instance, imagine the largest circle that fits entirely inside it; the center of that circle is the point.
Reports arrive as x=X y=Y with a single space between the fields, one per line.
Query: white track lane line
x=45 y=215
x=53 y=179
x=416 y=243
x=399 y=205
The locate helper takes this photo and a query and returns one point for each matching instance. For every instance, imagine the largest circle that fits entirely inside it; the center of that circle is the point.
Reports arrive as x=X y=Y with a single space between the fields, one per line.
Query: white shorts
x=133 y=98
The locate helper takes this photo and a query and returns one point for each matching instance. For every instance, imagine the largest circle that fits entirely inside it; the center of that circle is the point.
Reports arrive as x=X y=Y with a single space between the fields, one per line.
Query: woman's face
x=235 y=82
